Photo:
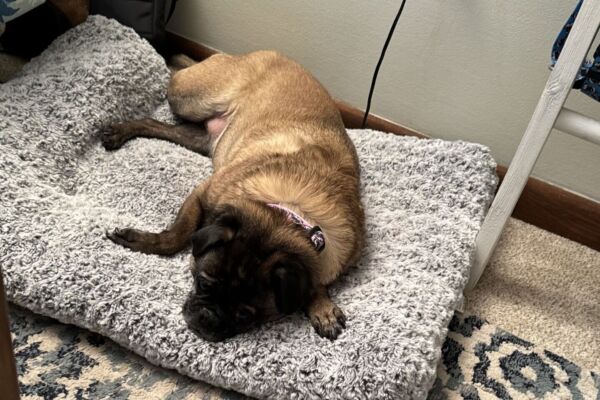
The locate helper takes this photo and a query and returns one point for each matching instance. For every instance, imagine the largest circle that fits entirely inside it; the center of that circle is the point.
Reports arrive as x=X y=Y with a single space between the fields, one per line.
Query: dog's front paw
x=328 y=319
x=133 y=239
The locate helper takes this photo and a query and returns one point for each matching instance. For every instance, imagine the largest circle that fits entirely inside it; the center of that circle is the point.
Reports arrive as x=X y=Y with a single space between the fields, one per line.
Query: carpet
x=483 y=361
x=543 y=287
x=480 y=361
x=60 y=190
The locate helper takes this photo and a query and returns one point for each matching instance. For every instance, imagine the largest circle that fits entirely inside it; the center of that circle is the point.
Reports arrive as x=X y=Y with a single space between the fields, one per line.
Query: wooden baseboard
x=353 y=117
x=542 y=204
x=559 y=211
x=179 y=44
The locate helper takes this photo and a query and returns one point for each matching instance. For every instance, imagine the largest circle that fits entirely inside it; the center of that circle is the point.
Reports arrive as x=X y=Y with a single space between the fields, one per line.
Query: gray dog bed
x=60 y=190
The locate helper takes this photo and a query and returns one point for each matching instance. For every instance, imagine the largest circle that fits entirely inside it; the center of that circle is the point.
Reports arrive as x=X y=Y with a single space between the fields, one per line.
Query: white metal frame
x=549 y=113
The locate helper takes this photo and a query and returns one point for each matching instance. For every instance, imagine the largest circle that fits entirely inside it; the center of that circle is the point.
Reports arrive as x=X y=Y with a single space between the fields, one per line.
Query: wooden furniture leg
x=9 y=386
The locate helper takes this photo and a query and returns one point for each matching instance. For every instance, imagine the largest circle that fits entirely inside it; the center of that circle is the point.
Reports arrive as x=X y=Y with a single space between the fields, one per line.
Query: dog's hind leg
x=209 y=88
x=170 y=241
x=189 y=135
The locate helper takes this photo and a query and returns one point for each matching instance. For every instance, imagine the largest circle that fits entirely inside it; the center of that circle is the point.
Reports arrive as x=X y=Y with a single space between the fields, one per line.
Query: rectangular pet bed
x=60 y=190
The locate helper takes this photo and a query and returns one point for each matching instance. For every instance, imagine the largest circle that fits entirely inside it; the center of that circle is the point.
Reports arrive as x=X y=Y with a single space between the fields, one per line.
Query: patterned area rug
x=480 y=361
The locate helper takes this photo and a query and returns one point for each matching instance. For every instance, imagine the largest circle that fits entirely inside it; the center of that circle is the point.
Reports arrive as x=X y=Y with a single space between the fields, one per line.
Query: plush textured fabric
x=479 y=361
x=60 y=191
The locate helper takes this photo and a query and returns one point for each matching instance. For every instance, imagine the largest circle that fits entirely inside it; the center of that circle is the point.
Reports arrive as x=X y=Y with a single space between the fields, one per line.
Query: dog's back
x=281 y=139
x=270 y=104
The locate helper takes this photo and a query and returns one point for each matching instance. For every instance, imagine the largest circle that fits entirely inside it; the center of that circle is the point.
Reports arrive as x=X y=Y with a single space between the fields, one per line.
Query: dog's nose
x=206 y=322
x=209 y=320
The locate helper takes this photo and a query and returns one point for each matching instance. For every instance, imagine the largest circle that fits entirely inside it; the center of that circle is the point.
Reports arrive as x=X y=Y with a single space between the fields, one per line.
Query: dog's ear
x=291 y=286
x=213 y=235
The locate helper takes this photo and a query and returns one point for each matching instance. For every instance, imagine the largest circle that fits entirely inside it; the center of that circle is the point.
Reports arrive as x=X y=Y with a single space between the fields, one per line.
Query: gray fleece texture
x=60 y=190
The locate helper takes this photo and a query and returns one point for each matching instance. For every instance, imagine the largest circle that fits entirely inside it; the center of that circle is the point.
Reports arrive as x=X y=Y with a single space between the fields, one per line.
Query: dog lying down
x=280 y=218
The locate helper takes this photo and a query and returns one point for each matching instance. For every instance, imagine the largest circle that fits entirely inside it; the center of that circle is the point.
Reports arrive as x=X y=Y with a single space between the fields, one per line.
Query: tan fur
x=274 y=106
x=275 y=136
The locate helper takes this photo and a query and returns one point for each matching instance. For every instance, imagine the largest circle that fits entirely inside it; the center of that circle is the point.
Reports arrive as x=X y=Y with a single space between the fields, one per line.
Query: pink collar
x=315 y=234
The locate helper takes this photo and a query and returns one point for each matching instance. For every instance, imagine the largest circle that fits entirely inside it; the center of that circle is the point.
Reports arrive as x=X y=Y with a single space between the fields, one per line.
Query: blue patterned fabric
x=11 y=9
x=6 y=10
x=588 y=79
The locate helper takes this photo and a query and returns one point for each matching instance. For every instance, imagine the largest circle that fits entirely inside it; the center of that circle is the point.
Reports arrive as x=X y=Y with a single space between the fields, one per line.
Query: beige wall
x=458 y=69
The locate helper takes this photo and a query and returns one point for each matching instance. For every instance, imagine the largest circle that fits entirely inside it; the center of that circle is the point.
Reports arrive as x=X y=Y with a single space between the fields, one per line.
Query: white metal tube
x=579 y=125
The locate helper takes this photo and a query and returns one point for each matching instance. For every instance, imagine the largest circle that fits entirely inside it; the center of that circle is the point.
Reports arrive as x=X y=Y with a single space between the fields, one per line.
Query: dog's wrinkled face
x=244 y=274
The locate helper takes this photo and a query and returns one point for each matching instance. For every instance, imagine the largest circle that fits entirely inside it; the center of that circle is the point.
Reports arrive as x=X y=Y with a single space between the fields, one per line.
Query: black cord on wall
x=385 y=46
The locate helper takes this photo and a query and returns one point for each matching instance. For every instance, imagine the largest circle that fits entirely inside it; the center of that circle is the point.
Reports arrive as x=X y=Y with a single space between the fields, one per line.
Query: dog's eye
x=244 y=314
x=205 y=282
x=202 y=284
x=204 y=276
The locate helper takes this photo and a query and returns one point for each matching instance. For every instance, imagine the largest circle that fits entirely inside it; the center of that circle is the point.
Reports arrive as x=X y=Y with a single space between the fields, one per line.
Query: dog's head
x=249 y=266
